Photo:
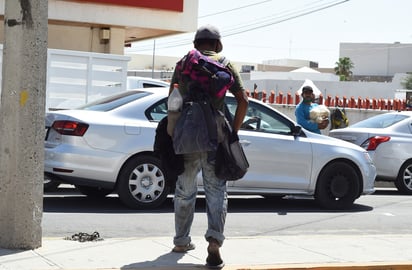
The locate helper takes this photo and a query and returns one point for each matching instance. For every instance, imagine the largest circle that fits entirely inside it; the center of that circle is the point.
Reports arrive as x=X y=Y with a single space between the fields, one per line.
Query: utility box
x=104 y=34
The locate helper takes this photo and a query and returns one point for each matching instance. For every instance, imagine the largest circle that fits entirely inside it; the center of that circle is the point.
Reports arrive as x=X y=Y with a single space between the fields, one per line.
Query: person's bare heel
x=214 y=261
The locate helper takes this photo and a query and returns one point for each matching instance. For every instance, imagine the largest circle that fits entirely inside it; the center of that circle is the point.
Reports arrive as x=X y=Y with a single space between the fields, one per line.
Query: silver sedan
x=388 y=139
x=107 y=146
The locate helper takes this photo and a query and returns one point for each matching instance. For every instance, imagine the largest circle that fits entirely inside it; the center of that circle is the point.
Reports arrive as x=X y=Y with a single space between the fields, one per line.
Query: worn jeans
x=185 y=199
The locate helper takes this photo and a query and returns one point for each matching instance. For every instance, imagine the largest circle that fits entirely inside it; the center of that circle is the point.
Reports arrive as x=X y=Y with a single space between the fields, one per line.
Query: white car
x=388 y=139
x=107 y=146
x=136 y=82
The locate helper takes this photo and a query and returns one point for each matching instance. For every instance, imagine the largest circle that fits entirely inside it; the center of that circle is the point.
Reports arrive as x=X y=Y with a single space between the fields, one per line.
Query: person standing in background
x=303 y=109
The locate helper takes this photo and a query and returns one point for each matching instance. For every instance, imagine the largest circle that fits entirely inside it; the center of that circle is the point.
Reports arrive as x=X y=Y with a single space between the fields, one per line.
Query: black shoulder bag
x=231 y=162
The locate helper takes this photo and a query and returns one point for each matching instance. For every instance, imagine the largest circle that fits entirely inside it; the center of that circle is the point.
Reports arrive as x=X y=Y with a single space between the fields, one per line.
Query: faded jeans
x=185 y=199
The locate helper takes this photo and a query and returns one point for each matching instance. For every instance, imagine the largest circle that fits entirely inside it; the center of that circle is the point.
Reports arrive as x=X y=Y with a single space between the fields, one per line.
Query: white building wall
x=258 y=75
x=287 y=62
x=286 y=82
x=332 y=88
x=144 y=18
x=78 y=25
x=378 y=59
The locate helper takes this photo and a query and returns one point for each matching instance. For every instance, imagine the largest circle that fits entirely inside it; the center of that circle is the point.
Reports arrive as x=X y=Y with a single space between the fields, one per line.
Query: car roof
x=409 y=113
x=132 y=80
x=153 y=90
x=380 y=124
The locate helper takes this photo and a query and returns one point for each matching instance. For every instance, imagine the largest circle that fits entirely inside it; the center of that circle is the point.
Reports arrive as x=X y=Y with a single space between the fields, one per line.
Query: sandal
x=183 y=249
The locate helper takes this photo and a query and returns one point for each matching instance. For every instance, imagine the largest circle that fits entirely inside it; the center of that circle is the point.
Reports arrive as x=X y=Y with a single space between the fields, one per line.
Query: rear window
x=380 y=121
x=150 y=85
x=113 y=102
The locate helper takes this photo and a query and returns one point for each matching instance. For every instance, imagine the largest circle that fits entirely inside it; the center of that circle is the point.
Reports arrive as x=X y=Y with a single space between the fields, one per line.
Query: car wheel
x=404 y=180
x=142 y=183
x=337 y=186
x=49 y=184
x=94 y=192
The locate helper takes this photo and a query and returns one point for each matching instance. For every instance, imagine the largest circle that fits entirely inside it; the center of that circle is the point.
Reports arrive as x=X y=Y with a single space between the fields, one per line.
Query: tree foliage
x=343 y=68
x=407 y=82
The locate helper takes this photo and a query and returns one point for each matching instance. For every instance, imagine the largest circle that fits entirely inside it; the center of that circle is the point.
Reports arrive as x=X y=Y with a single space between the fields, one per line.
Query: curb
x=325 y=266
x=337 y=266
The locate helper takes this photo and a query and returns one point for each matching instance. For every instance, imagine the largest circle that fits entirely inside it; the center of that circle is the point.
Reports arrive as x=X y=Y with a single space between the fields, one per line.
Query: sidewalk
x=360 y=252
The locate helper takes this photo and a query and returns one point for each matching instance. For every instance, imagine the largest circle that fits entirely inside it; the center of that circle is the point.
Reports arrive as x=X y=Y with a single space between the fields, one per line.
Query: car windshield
x=380 y=121
x=113 y=102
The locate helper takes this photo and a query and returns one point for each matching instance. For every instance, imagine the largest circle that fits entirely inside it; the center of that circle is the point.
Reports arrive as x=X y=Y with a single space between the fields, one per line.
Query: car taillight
x=373 y=142
x=70 y=128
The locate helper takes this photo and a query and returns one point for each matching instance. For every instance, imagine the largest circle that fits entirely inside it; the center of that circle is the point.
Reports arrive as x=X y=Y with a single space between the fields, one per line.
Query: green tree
x=407 y=82
x=343 y=68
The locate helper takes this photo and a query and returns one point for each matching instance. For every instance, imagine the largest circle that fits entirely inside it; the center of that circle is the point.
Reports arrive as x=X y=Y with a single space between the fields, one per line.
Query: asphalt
x=317 y=252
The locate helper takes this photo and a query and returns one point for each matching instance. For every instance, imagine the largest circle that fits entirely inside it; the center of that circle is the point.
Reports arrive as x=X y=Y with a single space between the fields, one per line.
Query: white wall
x=293 y=76
x=378 y=59
x=75 y=78
x=354 y=115
x=125 y=16
x=332 y=88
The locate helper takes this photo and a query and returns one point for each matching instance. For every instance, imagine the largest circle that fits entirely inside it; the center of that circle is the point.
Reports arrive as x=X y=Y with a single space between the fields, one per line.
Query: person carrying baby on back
x=310 y=115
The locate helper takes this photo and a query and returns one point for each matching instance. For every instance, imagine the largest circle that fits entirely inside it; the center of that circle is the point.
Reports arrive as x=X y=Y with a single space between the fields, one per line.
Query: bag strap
x=224 y=61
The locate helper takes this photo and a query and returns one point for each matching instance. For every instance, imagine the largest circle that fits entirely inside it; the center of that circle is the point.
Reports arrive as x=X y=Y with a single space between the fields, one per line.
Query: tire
x=404 y=180
x=338 y=186
x=49 y=184
x=94 y=192
x=142 y=183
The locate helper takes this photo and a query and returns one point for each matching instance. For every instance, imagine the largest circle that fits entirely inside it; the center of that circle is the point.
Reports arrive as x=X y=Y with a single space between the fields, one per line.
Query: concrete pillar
x=22 y=111
x=116 y=43
x=107 y=40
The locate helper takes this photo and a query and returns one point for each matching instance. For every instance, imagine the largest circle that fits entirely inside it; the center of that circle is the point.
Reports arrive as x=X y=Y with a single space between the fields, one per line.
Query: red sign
x=173 y=5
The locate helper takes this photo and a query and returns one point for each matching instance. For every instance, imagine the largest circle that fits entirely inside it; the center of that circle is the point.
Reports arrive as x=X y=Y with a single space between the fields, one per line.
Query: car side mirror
x=296 y=130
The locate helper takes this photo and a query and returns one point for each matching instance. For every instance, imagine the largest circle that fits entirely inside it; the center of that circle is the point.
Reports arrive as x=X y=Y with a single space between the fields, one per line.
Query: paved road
x=261 y=234
x=385 y=212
